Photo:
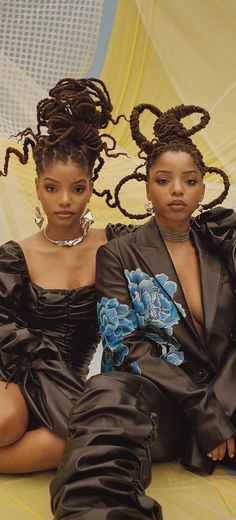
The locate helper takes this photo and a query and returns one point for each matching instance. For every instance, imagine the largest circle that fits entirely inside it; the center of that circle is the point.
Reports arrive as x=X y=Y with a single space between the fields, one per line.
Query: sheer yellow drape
x=169 y=52
x=164 y=52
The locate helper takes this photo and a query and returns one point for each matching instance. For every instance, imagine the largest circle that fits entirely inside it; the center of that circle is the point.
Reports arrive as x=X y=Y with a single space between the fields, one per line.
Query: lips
x=64 y=213
x=175 y=203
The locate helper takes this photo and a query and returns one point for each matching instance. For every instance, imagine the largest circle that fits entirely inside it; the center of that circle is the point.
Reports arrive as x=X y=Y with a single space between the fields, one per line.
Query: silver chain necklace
x=69 y=243
x=173 y=236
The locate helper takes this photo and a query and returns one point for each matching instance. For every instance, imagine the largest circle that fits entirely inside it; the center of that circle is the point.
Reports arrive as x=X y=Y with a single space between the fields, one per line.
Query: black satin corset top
x=67 y=317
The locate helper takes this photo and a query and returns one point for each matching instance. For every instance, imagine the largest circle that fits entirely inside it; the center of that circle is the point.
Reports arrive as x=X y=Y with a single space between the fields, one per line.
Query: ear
x=203 y=192
x=91 y=188
x=36 y=180
x=147 y=191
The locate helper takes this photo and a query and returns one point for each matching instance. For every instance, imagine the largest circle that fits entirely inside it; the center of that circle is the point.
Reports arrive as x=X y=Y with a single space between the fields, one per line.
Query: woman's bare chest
x=62 y=269
x=188 y=271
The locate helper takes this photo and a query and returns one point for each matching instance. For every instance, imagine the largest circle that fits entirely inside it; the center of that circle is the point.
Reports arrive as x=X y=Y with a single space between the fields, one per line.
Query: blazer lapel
x=211 y=273
x=151 y=249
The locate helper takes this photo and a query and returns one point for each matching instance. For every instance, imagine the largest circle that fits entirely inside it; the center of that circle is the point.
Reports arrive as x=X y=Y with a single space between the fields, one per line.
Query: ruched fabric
x=47 y=339
x=218 y=228
x=107 y=464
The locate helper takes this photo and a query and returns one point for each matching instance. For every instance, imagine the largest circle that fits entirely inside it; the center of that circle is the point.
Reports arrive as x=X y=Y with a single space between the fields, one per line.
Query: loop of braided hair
x=68 y=126
x=169 y=135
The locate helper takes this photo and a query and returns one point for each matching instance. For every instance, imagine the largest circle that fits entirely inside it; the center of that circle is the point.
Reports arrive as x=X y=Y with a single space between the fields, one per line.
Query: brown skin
x=64 y=190
x=175 y=187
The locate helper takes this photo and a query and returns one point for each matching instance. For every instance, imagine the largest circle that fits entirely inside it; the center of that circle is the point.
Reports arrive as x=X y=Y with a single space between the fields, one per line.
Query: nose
x=177 y=187
x=64 y=199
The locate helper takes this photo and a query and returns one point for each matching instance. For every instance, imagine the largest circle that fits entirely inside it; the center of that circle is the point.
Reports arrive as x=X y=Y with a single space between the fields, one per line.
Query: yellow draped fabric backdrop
x=164 y=52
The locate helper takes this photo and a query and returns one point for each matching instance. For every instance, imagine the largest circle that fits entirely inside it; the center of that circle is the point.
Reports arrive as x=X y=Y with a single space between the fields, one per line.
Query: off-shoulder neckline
x=65 y=291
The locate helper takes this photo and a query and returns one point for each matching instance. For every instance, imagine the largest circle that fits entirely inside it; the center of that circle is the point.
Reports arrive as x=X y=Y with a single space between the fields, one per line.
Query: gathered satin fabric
x=47 y=339
x=107 y=462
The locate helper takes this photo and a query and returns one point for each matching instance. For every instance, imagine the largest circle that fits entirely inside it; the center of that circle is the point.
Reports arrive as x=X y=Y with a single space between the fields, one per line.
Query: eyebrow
x=187 y=172
x=58 y=182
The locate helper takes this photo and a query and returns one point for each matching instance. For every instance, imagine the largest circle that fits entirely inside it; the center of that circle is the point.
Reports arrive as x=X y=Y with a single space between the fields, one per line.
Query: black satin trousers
x=113 y=434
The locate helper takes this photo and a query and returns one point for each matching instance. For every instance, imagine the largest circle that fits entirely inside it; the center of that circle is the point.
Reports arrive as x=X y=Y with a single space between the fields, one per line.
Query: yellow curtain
x=164 y=52
x=168 y=52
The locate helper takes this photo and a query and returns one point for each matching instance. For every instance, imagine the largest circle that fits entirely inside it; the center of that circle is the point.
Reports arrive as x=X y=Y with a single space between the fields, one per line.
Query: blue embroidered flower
x=152 y=300
x=135 y=368
x=173 y=356
x=113 y=357
x=156 y=311
x=115 y=322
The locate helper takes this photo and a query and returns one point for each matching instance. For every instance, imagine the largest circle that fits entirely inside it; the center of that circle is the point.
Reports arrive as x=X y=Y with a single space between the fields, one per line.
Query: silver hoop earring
x=149 y=207
x=86 y=220
x=39 y=219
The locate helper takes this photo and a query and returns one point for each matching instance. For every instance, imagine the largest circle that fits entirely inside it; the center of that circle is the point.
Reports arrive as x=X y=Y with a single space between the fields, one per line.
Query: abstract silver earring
x=200 y=207
x=149 y=207
x=86 y=220
x=39 y=219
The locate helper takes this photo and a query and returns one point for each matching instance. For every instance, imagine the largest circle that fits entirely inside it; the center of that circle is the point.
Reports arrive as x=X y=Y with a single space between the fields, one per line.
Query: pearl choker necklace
x=173 y=236
x=69 y=243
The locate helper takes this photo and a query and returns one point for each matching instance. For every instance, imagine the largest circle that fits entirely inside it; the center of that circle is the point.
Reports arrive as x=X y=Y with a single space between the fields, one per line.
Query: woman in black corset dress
x=48 y=324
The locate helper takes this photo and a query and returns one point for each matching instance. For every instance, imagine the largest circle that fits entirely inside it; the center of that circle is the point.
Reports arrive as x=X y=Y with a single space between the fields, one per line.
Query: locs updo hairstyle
x=68 y=127
x=170 y=135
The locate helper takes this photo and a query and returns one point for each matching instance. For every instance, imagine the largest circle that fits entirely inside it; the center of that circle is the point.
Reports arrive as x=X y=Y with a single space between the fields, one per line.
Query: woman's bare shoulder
x=98 y=233
x=97 y=236
x=31 y=242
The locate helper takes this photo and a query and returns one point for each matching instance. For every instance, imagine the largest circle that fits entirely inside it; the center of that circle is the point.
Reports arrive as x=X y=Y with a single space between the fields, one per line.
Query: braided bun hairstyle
x=68 y=127
x=169 y=135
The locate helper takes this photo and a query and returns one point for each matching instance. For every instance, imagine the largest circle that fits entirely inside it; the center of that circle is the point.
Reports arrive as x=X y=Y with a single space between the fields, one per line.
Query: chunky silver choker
x=69 y=243
x=173 y=236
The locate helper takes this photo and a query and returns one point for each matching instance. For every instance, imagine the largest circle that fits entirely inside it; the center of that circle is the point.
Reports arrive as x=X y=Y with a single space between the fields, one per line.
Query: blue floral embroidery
x=113 y=357
x=135 y=368
x=156 y=312
x=115 y=322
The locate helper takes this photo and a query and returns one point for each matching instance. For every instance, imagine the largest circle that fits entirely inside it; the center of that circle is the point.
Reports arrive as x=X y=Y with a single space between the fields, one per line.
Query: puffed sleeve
x=116 y=230
x=127 y=348
x=218 y=228
x=19 y=343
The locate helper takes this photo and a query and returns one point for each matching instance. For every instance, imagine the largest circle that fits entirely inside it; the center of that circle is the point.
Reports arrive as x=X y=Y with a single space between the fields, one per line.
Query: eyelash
x=163 y=182
x=52 y=189
x=79 y=189
x=191 y=182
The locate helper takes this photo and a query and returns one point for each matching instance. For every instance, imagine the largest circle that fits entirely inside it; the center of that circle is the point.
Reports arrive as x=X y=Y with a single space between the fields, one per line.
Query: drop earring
x=200 y=207
x=149 y=207
x=86 y=220
x=39 y=219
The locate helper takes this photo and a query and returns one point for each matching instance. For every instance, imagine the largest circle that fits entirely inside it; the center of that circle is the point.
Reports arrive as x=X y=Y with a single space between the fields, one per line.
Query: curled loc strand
x=23 y=157
x=138 y=176
x=138 y=137
x=174 y=115
x=224 y=194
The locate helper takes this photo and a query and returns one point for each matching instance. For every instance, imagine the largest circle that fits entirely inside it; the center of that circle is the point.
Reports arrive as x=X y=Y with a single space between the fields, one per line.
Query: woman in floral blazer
x=166 y=310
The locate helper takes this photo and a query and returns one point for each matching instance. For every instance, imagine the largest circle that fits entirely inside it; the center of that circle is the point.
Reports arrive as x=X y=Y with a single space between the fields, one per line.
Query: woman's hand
x=227 y=447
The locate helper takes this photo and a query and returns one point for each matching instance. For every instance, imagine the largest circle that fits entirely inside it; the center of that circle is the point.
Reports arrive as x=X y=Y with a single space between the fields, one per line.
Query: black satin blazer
x=147 y=329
